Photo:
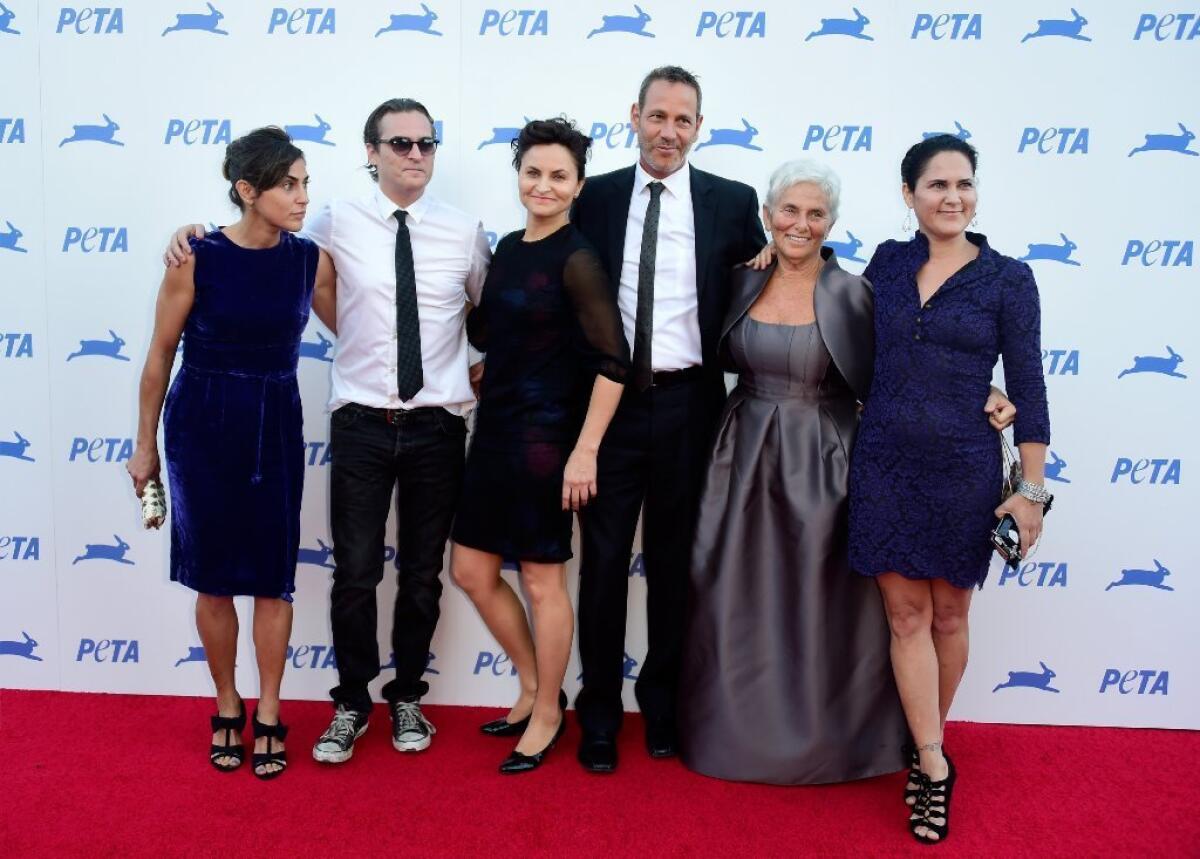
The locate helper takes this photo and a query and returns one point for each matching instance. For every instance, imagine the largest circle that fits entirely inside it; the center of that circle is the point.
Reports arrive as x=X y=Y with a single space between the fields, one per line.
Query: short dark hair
x=560 y=130
x=262 y=158
x=672 y=75
x=392 y=105
x=919 y=155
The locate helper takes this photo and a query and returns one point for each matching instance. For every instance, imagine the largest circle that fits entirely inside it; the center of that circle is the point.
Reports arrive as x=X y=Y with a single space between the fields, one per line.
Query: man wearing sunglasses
x=406 y=266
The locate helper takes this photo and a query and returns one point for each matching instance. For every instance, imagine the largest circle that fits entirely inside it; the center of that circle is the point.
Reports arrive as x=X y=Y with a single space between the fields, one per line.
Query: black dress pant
x=421 y=452
x=654 y=453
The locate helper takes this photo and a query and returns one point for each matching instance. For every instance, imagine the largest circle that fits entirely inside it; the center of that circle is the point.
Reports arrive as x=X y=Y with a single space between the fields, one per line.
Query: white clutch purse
x=154 y=504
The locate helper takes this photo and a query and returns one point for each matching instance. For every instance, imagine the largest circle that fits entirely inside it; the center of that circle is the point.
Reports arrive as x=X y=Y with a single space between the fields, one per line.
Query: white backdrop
x=1056 y=107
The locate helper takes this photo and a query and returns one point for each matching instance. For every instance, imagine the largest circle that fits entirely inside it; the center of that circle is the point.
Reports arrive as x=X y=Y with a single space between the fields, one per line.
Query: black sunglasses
x=404 y=145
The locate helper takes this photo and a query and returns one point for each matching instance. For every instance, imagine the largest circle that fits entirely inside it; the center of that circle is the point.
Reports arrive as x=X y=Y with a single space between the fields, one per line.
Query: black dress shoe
x=660 y=738
x=505 y=728
x=598 y=753
x=521 y=763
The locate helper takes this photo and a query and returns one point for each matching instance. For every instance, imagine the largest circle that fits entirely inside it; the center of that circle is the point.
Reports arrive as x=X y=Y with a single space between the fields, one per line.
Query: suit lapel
x=620 y=197
x=704 y=217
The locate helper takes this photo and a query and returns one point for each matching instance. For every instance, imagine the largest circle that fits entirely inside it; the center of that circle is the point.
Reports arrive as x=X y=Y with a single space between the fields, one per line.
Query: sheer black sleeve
x=600 y=336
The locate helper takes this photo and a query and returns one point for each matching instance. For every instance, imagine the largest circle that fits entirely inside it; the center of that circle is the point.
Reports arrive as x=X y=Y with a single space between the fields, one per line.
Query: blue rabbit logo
x=317 y=557
x=102 y=552
x=1149 y=578
x=411 y=23
x=310 y=133
x=24 y=649
x=1030 y=680
x=8 y=241
x=633 y=24
x=198 y=21
x=959 y=132
x=16 y=449
x=502 y=134
x=739 y=137
x=1055 y=467
x=1168 y=142
x=1156 y=364
x=1055 y=253
x=843 y=27
x=1072 y=29
x=6 y=17
x=101 y=348
x=319 y=350
x=96 y=133
x=847 y=250
x=194 y=654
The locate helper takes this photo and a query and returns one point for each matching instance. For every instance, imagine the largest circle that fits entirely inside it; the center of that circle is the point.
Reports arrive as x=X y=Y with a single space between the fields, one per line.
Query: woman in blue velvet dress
x=926 y=471
x=233 y=425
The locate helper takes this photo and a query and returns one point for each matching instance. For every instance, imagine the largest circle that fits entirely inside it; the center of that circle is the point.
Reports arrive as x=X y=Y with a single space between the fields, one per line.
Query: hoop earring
x=907 y=226
x=974 y=220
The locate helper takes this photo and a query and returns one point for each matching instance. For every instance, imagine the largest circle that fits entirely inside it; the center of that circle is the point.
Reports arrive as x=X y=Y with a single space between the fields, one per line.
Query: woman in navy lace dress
x=925 y=474
x=233 y=425
x=555 y=370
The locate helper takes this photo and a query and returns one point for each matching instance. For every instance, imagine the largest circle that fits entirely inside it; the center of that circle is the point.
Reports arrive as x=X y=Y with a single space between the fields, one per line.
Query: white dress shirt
x=675 y=341
x=450 y=260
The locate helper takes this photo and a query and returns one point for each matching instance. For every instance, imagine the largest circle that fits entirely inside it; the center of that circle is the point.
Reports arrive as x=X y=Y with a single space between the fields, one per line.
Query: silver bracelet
x=1035 y=492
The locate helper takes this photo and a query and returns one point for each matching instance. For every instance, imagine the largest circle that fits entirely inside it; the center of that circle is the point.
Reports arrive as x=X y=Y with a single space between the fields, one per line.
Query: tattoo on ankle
x=930 y=747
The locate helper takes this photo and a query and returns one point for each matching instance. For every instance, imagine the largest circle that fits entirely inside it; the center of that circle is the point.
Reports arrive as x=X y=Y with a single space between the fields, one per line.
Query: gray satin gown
x=787 y=677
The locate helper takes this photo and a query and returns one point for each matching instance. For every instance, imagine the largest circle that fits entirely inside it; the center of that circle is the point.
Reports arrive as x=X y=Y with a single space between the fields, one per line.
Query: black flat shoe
x=934 y=805
x=660 y=739
x=598 y=753
x=237 y=750
x=521 y=763
x=505 y=728
x=278 y=759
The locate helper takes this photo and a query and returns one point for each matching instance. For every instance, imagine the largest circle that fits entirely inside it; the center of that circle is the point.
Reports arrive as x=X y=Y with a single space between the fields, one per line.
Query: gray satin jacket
x=844 y=304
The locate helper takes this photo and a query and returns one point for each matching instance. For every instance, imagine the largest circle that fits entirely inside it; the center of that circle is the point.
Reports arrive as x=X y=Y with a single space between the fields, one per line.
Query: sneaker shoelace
x=342 y=728
x=409 y=717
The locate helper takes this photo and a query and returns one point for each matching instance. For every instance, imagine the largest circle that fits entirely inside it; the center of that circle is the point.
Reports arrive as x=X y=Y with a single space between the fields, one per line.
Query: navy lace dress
x=232 y=424
x=925 y=474
x=549 y=323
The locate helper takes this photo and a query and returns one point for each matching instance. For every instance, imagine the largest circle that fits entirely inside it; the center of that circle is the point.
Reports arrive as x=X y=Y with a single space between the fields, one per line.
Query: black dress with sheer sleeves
x=548 y=322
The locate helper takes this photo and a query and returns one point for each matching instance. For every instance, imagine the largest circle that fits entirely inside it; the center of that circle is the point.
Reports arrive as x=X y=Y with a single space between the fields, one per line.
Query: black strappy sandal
x=934 y=802
x=237 y=751
x=912 y=788
x=279 y=732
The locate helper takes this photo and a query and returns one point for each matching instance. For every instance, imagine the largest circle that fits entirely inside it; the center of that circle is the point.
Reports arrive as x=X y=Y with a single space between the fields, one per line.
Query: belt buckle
x=392 y=416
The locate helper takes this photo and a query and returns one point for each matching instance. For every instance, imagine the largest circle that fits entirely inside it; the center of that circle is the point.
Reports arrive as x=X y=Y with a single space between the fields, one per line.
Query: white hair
x=801 y=170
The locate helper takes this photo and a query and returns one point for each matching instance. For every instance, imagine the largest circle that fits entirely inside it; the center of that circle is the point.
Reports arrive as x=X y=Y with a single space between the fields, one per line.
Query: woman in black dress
x=555 y=370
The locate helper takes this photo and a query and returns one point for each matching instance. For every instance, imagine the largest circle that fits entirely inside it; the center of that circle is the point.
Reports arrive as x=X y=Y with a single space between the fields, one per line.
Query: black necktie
x=643 y=328
x=409 y=375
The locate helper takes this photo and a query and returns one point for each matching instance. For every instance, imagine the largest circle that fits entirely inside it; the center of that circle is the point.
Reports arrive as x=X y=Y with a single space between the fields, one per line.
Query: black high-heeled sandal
x=237 y=750
x=934 y=803
x=912 y=788
x=504 y=728
x=279 y=732
x=519 y=762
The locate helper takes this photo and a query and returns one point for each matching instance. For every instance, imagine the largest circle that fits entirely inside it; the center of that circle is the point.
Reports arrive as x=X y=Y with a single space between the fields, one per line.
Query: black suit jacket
x=844 y=304
x=728 y=231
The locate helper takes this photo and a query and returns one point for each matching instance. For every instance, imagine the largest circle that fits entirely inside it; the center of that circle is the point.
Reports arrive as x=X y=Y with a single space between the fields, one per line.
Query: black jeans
x=421 y=451
x=654 y=453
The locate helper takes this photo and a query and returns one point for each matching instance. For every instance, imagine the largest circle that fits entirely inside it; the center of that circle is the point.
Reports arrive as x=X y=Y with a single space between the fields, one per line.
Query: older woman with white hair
x=786 y=675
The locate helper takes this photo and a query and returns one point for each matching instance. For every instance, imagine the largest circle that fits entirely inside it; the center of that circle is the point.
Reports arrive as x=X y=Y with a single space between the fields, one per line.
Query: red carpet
x=102 y=775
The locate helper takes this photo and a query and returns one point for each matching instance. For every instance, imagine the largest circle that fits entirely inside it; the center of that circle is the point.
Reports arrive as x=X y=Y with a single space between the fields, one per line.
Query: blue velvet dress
x=926 y=470
x=233 y=427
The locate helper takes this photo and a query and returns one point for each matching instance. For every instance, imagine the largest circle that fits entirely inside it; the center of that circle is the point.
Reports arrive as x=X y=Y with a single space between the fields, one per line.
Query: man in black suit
x=669 y=235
